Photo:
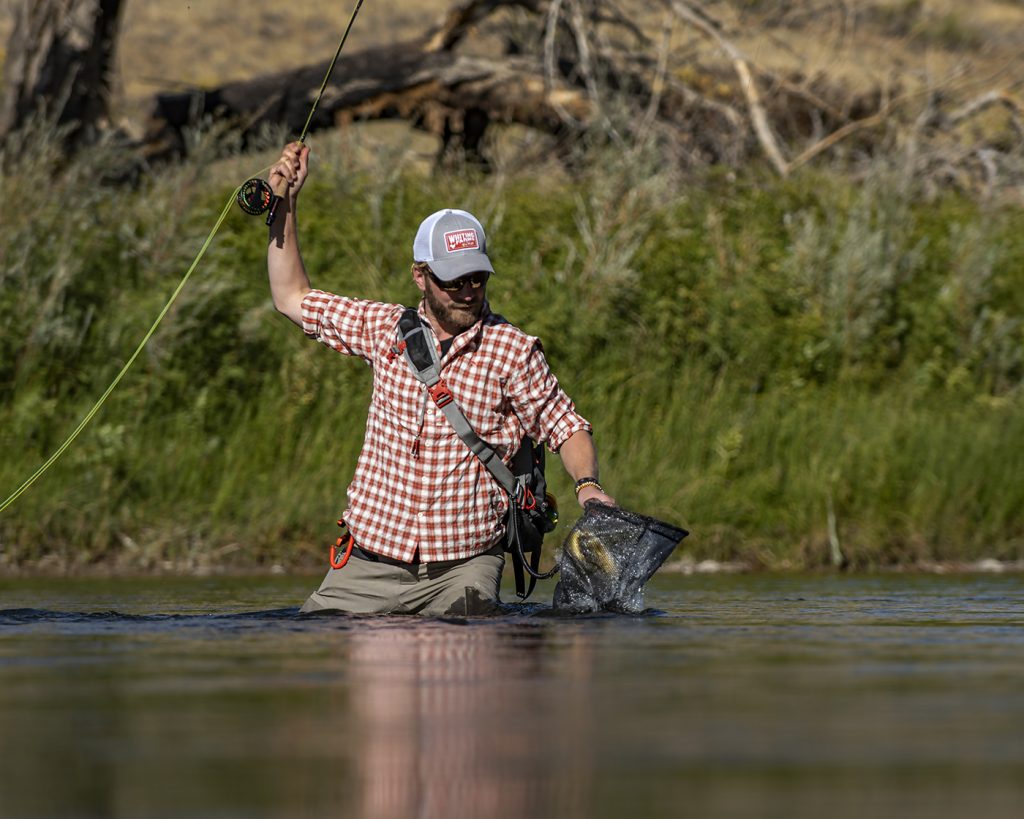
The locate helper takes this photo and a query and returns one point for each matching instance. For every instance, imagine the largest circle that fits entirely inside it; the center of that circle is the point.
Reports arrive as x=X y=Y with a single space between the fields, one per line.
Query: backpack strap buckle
x=397 y=349
x=441 y=394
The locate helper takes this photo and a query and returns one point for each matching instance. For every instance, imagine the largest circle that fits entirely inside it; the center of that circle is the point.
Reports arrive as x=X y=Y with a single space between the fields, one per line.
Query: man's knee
x=471 y=602
x=471 y=588
x=360 y=587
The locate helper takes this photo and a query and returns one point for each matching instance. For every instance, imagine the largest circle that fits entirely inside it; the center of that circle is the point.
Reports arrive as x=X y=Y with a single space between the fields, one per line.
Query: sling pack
x=531 y=510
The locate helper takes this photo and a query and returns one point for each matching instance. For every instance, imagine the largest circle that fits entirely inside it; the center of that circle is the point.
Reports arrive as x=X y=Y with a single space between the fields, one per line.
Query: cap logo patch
x=457 y=240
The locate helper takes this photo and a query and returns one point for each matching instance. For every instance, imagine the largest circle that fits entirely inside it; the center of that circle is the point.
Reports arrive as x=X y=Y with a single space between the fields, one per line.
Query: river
x=739 y=696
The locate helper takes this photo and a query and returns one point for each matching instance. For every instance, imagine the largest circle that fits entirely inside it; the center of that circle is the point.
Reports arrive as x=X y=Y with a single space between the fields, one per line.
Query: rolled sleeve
x=350 y=326
x=548 y=415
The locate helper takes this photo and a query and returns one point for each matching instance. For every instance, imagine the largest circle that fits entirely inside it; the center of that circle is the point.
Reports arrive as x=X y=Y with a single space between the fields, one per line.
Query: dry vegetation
x=787 y=81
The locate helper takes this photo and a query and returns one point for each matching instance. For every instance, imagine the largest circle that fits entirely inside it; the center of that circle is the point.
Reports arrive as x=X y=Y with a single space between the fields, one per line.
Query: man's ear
x=420 y=278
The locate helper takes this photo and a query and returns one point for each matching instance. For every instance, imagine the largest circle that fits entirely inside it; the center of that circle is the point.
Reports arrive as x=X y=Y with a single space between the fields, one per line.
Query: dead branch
x=839 y=135
x=608 y=12
x=550 y=63
x=759 y=119
x=659 y=83
x=986 y=101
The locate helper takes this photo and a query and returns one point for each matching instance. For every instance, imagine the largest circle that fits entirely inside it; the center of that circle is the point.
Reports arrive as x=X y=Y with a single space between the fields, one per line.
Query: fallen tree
x=559 y=84
x=575 y=68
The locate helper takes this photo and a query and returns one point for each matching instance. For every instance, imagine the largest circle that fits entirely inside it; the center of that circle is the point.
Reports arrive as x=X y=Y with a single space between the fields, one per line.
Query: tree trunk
x=455 y=97
x=59 y=66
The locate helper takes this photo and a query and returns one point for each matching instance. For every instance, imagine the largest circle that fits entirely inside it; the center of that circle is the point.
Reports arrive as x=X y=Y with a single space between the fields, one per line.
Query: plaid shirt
x=417 y=488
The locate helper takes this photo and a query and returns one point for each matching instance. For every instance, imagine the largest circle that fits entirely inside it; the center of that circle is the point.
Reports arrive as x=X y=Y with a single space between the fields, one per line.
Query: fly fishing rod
x=256 y=197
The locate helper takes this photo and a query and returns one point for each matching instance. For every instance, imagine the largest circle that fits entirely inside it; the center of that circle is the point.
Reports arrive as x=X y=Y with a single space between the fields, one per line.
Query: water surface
x=736 y=696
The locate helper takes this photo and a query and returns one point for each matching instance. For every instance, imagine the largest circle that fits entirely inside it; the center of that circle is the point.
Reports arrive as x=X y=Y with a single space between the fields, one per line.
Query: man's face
x=459 y=304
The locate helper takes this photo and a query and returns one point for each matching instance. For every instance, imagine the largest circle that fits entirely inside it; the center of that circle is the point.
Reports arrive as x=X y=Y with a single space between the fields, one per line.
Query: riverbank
x=52 y=566
x=805 y=372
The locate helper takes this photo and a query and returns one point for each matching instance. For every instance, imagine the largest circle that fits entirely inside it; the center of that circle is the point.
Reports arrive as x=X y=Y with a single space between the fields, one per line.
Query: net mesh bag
x=608 y=557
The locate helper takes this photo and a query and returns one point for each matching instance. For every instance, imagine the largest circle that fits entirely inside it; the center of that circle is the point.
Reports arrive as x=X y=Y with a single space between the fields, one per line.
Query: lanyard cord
x=177 y=291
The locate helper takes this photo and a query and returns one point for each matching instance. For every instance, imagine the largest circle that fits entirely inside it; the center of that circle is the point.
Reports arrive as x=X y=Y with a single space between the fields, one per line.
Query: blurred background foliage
x=756 y=353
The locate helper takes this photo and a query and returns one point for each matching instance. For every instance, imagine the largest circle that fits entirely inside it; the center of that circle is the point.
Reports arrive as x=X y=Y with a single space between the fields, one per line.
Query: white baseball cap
x=453 y=243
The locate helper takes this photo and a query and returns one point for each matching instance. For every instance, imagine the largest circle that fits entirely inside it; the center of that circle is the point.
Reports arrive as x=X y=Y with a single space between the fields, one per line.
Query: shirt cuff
x=313 y=305
x=565 y=427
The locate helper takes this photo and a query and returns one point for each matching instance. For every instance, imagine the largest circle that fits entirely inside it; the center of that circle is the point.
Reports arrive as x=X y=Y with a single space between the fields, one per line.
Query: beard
x=455 y=317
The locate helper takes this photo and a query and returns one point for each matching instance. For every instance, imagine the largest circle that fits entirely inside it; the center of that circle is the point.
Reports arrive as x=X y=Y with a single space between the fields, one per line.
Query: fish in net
x=608 y=557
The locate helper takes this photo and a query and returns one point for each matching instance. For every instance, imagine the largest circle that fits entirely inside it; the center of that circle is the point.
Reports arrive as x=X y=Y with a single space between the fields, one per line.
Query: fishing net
x=608 y=557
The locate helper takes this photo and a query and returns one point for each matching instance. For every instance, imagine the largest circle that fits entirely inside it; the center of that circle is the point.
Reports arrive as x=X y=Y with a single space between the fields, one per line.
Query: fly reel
x=256 y=197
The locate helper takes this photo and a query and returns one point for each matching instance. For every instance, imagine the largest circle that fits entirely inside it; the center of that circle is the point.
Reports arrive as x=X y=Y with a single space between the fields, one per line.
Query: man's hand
x=289 y=174
x=289 y=283
x=592 y=493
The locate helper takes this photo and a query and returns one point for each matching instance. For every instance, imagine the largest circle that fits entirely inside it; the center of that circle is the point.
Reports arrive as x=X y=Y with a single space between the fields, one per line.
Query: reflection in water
x=271 y=714
x=746 y=697
x=448 y=723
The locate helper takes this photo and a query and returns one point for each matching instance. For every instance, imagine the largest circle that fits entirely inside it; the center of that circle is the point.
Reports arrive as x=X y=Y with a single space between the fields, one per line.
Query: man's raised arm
x=289 y=282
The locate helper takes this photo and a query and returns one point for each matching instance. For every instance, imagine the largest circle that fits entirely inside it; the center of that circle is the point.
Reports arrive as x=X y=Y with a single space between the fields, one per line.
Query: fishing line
x=117 y=379
x=256 y=196
x=253 y=196
x=330 y=70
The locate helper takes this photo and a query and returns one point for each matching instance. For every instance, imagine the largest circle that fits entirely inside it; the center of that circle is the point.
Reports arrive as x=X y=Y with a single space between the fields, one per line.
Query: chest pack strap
x=416 y=340
x=416 y=343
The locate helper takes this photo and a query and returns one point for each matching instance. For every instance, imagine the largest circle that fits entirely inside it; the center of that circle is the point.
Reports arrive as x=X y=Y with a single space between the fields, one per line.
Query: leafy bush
x=753 y=353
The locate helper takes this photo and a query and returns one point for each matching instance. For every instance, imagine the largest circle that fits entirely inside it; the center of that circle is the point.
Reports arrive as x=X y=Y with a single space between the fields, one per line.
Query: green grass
x=752 y=352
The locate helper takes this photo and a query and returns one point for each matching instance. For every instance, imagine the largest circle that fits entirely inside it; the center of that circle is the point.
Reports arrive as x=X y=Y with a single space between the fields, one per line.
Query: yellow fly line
x=117 y=380
x=177 y=291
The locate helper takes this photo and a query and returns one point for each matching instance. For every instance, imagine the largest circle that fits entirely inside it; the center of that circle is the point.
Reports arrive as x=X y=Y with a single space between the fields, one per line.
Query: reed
x=756 y=355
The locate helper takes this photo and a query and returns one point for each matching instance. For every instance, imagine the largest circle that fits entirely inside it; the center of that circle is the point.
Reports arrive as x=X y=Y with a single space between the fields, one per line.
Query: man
x=425 y=514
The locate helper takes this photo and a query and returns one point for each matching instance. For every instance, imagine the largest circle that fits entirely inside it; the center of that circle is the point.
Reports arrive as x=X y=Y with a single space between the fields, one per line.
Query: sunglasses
x=474 y=280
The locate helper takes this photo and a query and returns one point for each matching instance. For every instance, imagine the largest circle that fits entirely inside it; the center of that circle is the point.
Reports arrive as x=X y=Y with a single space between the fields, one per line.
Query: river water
x=738 y=696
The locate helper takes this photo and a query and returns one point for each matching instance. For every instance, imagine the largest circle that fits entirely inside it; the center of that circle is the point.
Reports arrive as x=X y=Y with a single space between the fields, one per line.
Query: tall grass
x=755 y=354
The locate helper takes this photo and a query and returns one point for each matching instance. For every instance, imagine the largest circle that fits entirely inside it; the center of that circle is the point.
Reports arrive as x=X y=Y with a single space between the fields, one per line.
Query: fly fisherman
x=426 y=516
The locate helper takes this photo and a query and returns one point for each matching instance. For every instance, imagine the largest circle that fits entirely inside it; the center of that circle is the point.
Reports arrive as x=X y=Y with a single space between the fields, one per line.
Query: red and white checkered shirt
x=417 y=488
